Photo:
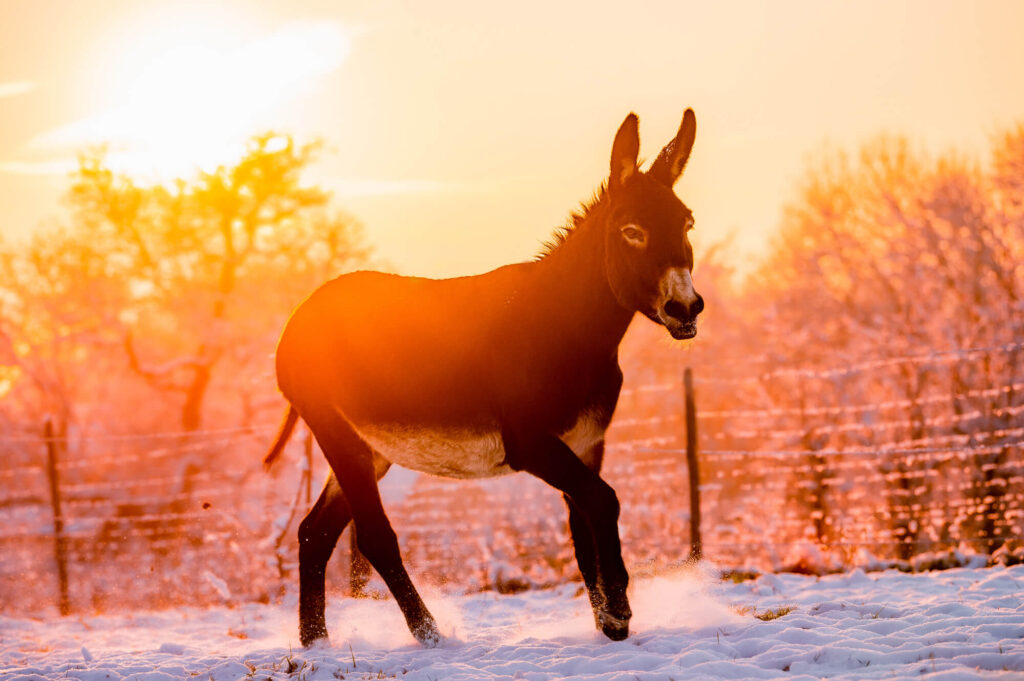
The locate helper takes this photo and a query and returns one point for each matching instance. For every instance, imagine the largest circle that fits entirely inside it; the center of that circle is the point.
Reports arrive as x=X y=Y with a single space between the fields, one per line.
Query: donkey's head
x=648 y=255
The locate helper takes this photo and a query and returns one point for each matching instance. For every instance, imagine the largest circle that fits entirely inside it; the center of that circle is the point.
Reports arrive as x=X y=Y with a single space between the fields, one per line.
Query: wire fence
x=796 y=472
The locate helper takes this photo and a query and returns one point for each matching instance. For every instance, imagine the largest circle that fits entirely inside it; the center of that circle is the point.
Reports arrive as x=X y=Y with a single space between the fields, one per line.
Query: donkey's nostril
x=675 y=309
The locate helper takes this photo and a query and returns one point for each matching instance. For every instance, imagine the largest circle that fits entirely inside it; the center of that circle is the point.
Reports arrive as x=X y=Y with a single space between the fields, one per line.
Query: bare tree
x=895 y=254
x=214 y=262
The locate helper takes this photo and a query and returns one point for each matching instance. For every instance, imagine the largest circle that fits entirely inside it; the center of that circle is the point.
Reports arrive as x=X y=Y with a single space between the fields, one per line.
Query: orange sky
x=461 y=133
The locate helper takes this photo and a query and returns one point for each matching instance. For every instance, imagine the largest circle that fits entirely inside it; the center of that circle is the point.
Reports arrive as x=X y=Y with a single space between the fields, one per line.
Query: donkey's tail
x=287 y=426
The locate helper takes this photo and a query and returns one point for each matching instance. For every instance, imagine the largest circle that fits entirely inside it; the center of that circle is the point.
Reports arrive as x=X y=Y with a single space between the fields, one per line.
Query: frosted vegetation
x=859 y=393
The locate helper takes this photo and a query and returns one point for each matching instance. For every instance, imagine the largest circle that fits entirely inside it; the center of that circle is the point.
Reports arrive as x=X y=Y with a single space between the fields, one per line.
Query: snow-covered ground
x=958 y=625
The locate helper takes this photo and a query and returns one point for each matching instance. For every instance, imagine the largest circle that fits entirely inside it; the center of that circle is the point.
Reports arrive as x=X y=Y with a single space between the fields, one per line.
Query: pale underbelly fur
x=462 y=453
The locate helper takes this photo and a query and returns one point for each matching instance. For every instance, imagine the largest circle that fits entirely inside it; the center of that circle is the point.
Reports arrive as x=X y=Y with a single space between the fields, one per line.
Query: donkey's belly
x=464 y=453
x=448 y=452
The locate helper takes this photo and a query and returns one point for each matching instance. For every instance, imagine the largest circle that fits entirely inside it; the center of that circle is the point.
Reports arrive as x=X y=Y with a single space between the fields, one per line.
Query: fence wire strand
x=954 y=477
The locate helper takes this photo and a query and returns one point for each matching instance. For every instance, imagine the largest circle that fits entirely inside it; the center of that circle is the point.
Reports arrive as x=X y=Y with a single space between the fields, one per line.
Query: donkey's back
x=384 y=347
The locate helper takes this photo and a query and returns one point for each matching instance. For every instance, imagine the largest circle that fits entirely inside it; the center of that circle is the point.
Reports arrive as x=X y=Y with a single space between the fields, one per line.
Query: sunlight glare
x=196 y=103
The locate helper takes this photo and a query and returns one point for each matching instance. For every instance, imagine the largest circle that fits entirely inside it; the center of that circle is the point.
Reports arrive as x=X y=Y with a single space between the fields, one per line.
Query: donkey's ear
x=670 y=162
x=624 y=152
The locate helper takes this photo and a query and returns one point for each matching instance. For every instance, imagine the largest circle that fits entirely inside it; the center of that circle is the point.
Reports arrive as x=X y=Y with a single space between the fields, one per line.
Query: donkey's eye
x=634 y=235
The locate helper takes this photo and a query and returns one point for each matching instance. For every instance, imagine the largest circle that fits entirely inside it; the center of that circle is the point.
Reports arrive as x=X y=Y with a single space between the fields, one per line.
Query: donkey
x=513 y=370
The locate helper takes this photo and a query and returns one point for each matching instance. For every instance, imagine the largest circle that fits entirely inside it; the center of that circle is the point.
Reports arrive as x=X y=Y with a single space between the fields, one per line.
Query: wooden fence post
x=696 y=548
x=59 y=543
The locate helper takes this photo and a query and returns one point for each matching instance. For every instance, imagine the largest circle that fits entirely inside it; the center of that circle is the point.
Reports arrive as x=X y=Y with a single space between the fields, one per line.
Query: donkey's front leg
x=583 y=538
x=551 y=460
x=586 y=558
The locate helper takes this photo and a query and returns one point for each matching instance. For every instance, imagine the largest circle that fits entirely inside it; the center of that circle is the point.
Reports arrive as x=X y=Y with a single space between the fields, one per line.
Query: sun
x=189 y=93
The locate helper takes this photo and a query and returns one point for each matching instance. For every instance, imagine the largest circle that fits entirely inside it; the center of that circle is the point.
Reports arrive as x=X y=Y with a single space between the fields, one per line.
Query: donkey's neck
x=585 y=311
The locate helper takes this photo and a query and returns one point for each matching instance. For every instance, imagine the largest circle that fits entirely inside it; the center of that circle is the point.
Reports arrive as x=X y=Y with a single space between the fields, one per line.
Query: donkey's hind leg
x=318 y=533
x=352 y=461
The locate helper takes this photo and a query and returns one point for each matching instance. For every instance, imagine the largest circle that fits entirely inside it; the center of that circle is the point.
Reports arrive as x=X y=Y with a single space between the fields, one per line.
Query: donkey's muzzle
x=681 y=318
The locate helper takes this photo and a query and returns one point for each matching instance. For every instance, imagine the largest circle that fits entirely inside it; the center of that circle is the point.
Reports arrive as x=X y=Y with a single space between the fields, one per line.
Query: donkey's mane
x=576 y=218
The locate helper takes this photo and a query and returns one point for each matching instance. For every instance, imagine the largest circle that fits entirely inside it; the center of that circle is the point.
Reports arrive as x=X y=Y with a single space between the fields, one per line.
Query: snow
x=965 y=623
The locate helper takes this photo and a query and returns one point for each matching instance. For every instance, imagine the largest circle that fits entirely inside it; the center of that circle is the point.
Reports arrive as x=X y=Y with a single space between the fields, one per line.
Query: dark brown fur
x=517 y=366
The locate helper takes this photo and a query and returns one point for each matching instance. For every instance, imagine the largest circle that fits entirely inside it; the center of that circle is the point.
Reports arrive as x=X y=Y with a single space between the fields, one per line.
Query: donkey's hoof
x=613 y=627
x=312 y=636
x=427 y=634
